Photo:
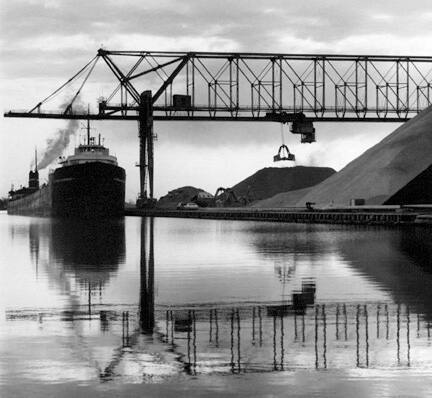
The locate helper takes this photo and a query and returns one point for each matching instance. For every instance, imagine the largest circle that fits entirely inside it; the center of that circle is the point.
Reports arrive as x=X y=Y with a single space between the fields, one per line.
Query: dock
x=391 y=215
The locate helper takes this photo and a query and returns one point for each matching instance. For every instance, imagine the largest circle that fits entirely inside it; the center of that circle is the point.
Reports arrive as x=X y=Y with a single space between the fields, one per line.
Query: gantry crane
x=212 y=86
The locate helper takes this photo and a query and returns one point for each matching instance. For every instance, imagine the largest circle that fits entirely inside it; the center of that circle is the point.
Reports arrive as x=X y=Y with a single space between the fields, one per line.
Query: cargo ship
x=89 y=183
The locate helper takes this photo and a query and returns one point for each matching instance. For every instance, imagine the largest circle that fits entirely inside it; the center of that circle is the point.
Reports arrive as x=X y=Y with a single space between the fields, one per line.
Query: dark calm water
x=171 y=307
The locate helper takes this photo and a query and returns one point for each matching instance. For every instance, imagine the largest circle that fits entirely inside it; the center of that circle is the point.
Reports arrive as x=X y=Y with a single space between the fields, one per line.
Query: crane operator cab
x=283 y=154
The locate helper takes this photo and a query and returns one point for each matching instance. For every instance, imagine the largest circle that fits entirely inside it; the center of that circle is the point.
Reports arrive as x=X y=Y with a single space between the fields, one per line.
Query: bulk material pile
x=398 y=170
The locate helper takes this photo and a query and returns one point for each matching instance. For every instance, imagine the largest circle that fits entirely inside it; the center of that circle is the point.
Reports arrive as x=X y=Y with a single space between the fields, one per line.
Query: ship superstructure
x=90 y=151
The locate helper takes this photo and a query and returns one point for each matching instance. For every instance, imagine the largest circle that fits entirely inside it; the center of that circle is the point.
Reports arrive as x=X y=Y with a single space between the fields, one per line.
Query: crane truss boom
x=253 y=86
x=202 y=86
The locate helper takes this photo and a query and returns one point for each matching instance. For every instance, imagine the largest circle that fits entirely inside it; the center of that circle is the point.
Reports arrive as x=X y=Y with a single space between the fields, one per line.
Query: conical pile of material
x=174 y=197
x=270 y=181
x=397 y=169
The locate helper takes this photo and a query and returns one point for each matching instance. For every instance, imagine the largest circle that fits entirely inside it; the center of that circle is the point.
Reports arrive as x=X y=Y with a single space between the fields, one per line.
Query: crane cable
x=82 y=85
x=283 y=142
x=282 y=134
x=65 y=84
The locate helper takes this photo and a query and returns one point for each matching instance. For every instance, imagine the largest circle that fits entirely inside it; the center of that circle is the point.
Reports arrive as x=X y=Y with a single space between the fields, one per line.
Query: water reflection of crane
x=146 y=307
x=285 y=271
x=146 y=321
x=181 y=329
x=244 y=338
x=131 y=336
x=300 y=299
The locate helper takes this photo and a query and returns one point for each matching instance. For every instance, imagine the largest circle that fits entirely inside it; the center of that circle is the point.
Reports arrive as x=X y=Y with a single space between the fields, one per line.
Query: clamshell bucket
x=283 y=154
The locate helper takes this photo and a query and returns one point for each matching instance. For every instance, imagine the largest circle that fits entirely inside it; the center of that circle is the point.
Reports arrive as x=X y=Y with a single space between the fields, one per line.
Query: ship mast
x=88 y=126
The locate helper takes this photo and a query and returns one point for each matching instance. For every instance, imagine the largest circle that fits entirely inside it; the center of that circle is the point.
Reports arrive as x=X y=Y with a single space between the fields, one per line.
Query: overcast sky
x=43 y=43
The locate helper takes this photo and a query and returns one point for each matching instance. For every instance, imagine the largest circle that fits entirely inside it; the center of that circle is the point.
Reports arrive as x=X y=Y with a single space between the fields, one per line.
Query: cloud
x=183 y=43
x=73 y=30
x=43 y=43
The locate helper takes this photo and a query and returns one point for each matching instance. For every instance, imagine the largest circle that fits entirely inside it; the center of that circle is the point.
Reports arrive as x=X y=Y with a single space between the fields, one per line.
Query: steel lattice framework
x=213 y=86
x=252 y=86
x=323 y=87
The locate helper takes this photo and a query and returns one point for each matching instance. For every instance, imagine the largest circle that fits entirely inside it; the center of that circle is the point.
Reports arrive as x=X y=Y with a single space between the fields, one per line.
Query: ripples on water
x=215 y=306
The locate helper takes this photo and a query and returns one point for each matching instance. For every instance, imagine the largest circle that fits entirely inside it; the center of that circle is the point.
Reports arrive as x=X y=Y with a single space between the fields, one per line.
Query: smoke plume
x=58 y=143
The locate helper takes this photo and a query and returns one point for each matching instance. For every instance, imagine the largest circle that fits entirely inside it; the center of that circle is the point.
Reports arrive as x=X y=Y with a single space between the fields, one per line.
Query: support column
x=146 y=150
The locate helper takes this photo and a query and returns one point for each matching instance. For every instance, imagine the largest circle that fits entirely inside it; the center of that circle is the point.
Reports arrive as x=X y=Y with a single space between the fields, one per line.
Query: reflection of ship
x=96 y=244
x=91 y=250
x=89 y=183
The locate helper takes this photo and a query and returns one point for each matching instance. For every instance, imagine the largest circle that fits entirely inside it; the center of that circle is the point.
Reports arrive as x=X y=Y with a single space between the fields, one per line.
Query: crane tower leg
x=146 y=150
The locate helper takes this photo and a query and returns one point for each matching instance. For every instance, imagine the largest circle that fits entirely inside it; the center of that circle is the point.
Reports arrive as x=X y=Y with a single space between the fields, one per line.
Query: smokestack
x=34 y=175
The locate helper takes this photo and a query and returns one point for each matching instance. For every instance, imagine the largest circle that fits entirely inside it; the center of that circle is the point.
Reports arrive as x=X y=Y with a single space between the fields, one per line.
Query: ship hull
x=38 y=203
x=87 y=190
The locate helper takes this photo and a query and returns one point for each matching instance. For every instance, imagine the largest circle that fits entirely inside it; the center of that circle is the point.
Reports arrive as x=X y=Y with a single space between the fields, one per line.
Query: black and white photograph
x=215 y=198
